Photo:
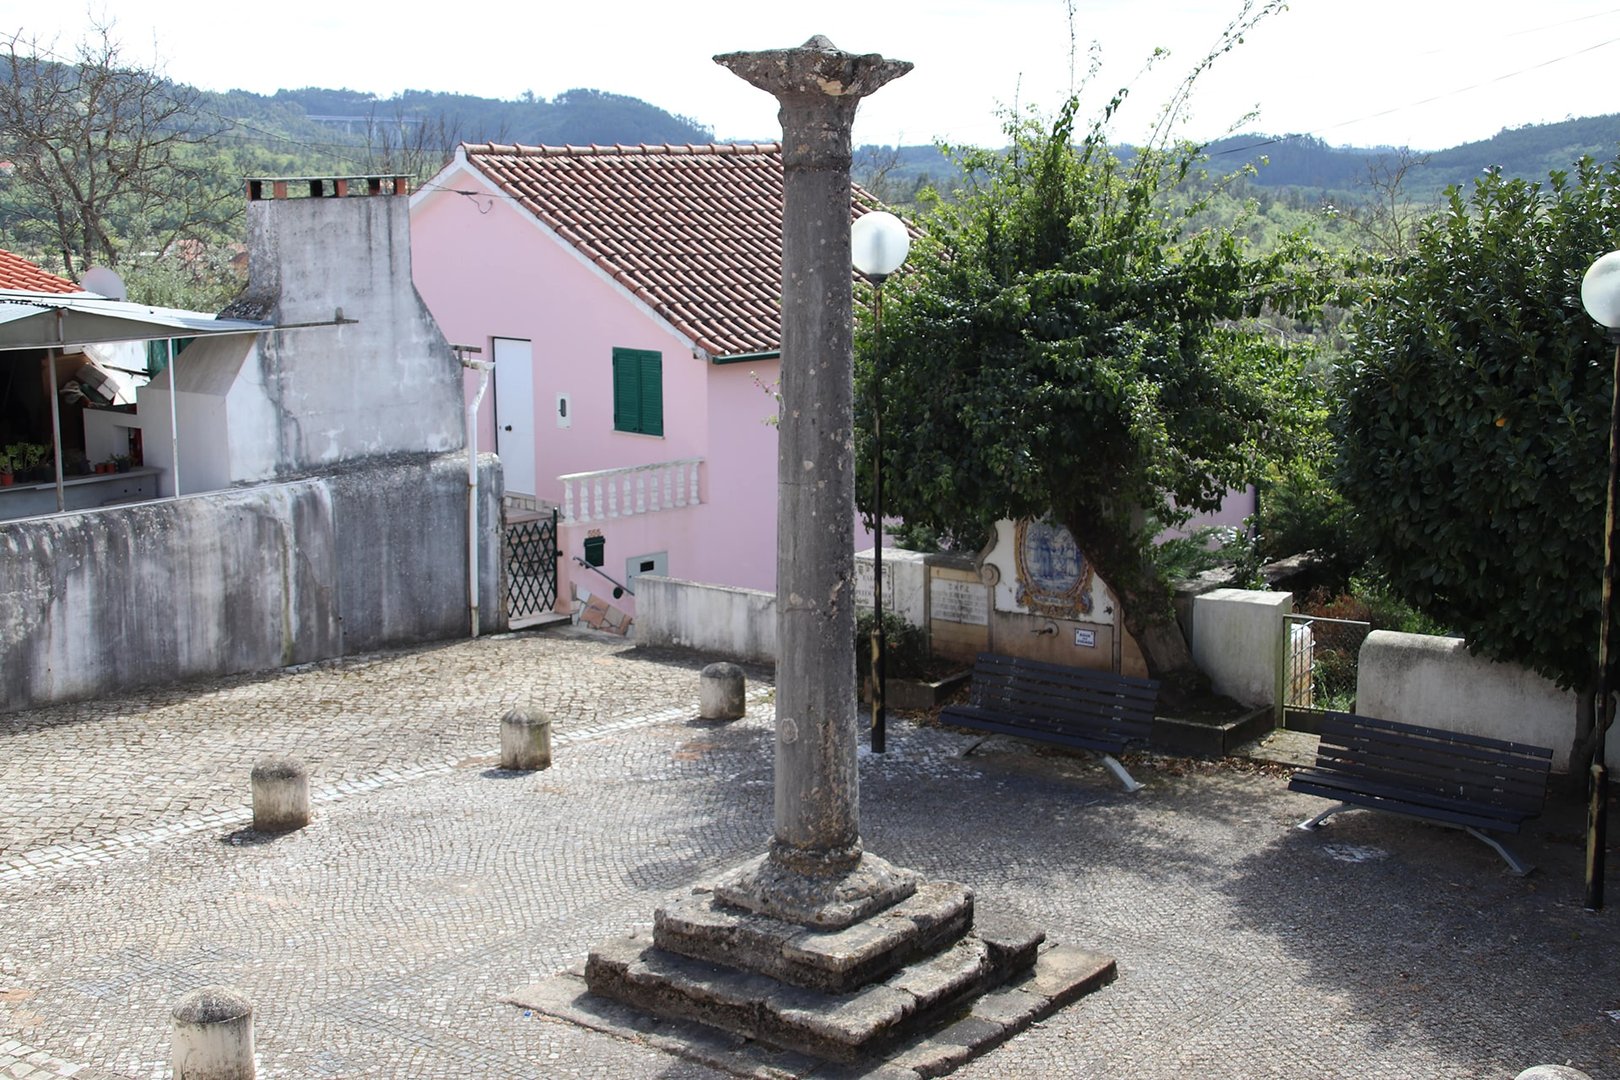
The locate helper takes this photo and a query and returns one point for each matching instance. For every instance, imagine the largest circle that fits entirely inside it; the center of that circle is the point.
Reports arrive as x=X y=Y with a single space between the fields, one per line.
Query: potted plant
x=29 y=459
x=8 y=464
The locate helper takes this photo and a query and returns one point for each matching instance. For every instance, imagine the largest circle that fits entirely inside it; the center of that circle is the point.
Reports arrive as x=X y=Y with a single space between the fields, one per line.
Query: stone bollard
x=720 y=692
x=1552 y=1072
x=525 y=740
x=280 y=795
x=213 y=1036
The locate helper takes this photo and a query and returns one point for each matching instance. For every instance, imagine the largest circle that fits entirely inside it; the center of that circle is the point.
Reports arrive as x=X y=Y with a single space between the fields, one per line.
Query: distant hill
x=1308 y=163
x=1532 y=151
x=328 y=118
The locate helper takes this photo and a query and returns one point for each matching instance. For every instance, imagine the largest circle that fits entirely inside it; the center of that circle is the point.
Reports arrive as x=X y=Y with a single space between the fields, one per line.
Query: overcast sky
x=1428 y=74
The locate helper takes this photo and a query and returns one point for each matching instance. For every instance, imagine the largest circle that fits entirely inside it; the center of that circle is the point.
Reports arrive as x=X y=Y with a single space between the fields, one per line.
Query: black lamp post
x=879 y=243
x=1600 y=295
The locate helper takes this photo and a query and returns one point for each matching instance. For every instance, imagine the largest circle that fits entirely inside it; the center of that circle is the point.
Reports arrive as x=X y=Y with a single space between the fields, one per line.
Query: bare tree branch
x=104 y=155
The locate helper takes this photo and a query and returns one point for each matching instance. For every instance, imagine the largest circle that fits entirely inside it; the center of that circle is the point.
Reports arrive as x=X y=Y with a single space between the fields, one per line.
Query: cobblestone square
x=382 y=939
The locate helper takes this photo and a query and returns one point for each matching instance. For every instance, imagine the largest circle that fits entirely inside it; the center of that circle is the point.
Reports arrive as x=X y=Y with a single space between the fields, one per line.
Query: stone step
x=698 y=925
x=854 y=1026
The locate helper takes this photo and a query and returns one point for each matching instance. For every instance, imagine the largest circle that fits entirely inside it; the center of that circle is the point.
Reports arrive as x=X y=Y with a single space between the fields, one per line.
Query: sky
x=1427 y=74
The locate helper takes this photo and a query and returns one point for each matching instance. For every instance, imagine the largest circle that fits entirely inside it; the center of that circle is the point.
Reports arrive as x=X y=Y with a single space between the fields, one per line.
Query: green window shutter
x=652 y=393
x=626 y=391
x=638 y=391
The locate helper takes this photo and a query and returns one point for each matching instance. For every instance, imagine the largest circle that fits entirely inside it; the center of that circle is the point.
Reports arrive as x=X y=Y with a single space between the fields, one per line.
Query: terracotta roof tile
x=693 y=231
x=17 y=272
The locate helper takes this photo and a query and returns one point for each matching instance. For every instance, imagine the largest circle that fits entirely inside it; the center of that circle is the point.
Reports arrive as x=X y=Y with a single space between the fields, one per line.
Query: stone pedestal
x=280 y=795
x=525 y=740
x=722 y=692
x=213 y=1036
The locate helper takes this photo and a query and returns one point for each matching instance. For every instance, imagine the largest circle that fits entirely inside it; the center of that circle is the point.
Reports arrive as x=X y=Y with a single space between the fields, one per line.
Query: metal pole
x=879 y=657
x=1598 y=809
x=174 y=421
x=56 y=425
x=483 y=367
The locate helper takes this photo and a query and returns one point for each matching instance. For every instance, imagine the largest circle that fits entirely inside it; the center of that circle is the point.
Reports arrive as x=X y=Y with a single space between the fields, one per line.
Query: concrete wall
x=1433 y=681
x=1234 y=640
x=713 y=619
x=272 y=406
x=905 y=584
x=243 y=580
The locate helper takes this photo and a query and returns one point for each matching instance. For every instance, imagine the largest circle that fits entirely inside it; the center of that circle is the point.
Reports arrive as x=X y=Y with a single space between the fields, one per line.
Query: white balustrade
x=627 y=492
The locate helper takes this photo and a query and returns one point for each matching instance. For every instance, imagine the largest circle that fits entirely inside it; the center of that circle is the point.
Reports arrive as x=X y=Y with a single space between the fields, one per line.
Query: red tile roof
x=695 y=232
x=17 y=272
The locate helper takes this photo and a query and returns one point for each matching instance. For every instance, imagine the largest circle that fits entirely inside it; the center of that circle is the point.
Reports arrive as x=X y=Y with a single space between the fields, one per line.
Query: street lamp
x=1600 y=295
x=878 y=244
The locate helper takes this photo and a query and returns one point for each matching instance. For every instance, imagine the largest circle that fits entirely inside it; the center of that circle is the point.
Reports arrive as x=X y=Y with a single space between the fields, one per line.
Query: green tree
x=1069 y=343
x=1476 y=422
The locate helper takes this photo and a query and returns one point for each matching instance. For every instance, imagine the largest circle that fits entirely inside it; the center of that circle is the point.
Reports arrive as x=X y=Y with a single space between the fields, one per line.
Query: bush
x=905 y=645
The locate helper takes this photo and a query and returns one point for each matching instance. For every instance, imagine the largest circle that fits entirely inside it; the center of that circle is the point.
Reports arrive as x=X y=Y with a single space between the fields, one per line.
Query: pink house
x=628 y=298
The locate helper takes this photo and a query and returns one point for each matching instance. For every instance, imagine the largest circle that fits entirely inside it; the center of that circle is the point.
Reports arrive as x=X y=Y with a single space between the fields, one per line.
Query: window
x=638 y=391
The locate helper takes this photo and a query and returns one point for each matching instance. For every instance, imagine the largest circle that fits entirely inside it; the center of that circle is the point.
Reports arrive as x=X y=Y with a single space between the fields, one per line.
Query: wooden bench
x=1091 y=710
x=1463 y=781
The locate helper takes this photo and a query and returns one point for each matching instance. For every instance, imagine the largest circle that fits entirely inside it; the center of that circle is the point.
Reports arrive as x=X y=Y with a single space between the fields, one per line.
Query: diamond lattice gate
x=529 y=544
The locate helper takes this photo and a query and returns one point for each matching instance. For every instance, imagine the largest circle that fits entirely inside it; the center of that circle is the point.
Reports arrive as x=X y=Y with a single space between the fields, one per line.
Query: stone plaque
x=863 y=586
x=958 y=602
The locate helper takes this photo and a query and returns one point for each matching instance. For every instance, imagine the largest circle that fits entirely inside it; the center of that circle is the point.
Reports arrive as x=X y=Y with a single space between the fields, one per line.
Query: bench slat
x=1482 y=782
x=1099 y=712
x=1400 y=801
x=1350 y=721
x=1085 y=739
x=1492 y=771
x=1092 y=710
x=1451 y=777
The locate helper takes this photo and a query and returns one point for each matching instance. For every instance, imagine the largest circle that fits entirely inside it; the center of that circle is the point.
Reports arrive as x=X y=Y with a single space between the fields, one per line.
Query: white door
x=514 y=413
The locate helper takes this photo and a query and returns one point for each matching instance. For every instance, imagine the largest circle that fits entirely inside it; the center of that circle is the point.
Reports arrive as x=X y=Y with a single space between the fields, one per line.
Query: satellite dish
x=105 y=280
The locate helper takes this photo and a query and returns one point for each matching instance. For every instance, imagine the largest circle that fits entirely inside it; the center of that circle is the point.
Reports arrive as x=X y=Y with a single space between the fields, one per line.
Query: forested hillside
x=167 y=163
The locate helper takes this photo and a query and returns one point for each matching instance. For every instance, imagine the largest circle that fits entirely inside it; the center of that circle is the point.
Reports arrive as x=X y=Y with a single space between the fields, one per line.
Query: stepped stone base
x=834 y=961
x=913 y=989
x=1061 y=975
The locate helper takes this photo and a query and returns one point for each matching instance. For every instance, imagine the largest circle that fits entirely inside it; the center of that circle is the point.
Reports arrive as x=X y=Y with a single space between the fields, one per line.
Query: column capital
x=816 y=69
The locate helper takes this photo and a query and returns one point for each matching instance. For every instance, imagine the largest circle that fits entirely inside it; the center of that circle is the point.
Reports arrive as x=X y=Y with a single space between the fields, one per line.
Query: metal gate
x=529 y=549
x=1318 y=669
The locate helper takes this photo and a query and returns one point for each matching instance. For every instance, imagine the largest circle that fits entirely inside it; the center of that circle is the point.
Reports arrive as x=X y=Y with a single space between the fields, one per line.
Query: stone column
x=815 y=872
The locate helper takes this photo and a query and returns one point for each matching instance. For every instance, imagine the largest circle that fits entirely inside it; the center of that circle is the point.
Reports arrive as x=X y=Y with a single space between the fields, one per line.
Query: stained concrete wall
x=244 y=580
x=1235 y=640
x=316 y=395
x=713 y=619
x=1433 y=681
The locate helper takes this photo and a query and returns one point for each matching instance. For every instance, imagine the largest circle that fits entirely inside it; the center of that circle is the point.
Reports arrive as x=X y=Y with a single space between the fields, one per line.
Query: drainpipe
x=174 y=420
x=483 y=367
x=56 y=421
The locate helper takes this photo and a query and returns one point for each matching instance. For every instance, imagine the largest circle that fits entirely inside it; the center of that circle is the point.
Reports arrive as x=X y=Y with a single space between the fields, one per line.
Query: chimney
x=367 y=371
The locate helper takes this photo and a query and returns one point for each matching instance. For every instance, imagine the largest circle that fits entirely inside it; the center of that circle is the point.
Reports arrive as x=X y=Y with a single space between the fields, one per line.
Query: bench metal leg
x=1519 y=868
x=1311 y=824
x=1113 y=765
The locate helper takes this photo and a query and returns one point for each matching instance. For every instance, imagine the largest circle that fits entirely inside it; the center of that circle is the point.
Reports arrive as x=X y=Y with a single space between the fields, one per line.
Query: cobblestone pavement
x=380 y=940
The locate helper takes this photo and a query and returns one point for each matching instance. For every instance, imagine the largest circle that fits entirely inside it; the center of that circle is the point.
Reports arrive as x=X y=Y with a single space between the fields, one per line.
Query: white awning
x=32 y=320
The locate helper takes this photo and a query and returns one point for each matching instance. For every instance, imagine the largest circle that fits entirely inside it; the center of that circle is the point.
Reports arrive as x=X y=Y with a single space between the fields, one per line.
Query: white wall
x=1433 y=681
x=905 y=584
x=1234 y=640
x=716 y=619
